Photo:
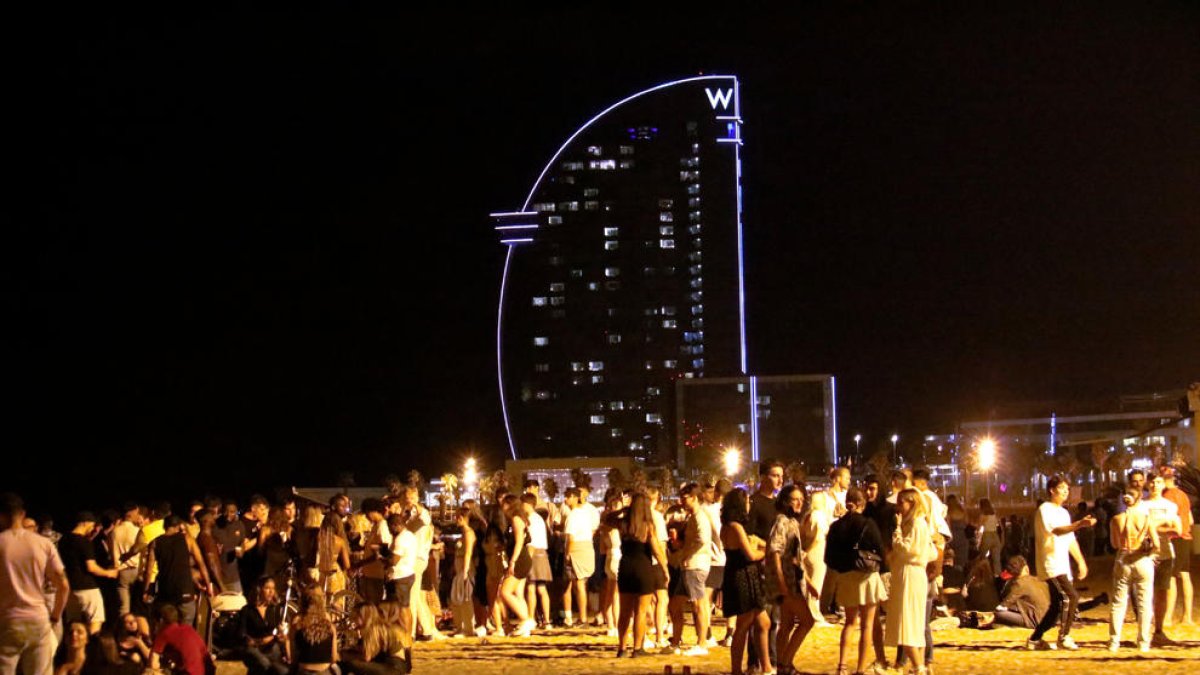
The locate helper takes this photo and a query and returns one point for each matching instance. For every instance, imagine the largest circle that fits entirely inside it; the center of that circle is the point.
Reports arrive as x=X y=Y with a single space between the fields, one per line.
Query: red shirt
x=1180 y=498
x=186 y=647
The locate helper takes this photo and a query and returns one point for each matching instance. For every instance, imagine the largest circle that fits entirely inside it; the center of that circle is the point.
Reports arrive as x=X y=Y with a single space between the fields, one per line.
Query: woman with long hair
x=991 y=541
x=745 y=594
x=464 y=606
x=72 y=652
x=813 y=530
x=912 y=549
x=304 y=538
x=636 y=576
x=278 y=546
x=312 y=644
x=103 y=657
x=333 y=555
x=520 y=561
x=385 y=645
x=610 y=549
x=133 y=638
x=259 y=624
x=785 y=552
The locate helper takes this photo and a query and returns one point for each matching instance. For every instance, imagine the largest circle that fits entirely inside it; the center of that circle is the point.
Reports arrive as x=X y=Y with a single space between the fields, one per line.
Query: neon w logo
x=722 y=96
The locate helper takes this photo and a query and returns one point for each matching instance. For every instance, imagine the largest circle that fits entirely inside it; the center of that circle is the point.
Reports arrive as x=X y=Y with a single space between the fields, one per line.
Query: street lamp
x=987 y=460
x=857 y=448
x=895 y=458
x=470 y=476
x=732 y=458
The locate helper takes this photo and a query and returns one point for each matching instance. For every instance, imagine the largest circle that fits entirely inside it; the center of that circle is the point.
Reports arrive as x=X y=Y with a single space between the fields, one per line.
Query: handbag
x=865 y=561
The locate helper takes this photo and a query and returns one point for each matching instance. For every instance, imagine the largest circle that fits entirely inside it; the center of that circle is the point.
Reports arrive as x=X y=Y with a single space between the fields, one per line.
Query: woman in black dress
x=745 y=593
x=636 y=576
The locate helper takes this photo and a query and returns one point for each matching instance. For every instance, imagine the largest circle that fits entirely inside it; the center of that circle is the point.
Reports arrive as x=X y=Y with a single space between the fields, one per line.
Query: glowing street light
x=470 y=476
x=857 y=442
x=987 y=454
x=732 y=458
x=895 y=458
x=987 y=460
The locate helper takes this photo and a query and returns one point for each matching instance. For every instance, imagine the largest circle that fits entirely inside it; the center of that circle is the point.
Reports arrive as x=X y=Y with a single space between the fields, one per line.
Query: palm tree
x=451 y=487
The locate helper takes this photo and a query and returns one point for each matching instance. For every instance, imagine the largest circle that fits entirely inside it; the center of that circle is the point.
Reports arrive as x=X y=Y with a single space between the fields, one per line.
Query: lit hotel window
x=693 y=201
x=610 y=245
x=576 y=274
x=694 y=216
x=577 y=366
x=541 y=367
x=539 y=301
x=625 y=150
x=612 y=272
x=611 y=231
x=591 y=205
x=614 y=339
x=602 y=165
x=541 y=341
x=666 y=203
x=668 y=323
x=595 y=150
x=616 y=405
x=558 y=287
x=696 y=297
x=597 y=379
x=654 y=418
x=568 y=206
x=698 y=282
x=665 y=217
x=542 y=396
x=666 y=243
x=694 y=229
x=615 y=433
x=571 y=166
x=695 y=256
x=698 y=363
x=670 y=363
x=593 y=285
x=653 y=391
x=666 y=230
x=597 y=419
x=668 y=310
x=627 y=164
x=693 y=189
x=544 y=206
x=696 y=269
x=554 y=220
x=591 y=192
x=595 y=365
x=743 y=428
x=649 y=365
x=697 y=309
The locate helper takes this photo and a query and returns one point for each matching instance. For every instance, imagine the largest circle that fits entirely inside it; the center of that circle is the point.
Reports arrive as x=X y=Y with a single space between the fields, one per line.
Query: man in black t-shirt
x=79 y=559
x=761 y=519
x=230 y=534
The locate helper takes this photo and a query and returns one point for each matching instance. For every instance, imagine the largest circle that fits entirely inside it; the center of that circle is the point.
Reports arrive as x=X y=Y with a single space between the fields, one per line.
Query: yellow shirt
x=151 y=531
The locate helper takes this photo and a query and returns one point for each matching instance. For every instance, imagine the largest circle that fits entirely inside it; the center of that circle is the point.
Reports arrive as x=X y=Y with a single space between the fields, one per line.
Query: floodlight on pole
x=895 y=458
x=732 y=458
x=469 y=473
x=987 y=454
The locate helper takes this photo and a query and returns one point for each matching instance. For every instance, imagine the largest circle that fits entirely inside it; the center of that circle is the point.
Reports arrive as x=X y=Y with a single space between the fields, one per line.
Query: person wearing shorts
x=1166 y=524
x=1182 y=545
x=540 y=575
x=580 y=556
x=79 y=558
x=696 y=559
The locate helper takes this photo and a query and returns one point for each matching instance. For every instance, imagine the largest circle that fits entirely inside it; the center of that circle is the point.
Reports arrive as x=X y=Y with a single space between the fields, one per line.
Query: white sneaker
x=481 y=631
x=1067 y=643
x=525 y=629
x=1144 y=648
x=698 y=650
x=612 y=632
x=648 y=644
x=1114 y=646
x=711 y=643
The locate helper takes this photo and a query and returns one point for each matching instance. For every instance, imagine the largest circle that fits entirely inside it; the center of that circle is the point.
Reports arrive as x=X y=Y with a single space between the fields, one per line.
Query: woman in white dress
x=912 y=549
x=813 y=530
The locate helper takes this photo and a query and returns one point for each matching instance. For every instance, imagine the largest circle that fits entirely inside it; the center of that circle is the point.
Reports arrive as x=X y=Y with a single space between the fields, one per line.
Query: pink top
x=25 y=557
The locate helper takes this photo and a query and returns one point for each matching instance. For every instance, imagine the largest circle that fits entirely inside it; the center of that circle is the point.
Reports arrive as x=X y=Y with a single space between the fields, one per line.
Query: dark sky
x=259 y=250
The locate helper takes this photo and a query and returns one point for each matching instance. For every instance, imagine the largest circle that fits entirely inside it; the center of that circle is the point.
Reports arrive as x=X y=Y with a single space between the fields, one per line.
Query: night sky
x=258 y=252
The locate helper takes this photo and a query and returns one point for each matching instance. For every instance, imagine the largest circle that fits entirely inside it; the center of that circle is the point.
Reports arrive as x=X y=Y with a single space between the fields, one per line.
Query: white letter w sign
x=721 y=96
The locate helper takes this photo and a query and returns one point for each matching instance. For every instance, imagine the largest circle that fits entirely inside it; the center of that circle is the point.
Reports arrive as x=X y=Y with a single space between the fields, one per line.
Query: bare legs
x=579 y=586
x=1181 y=585
x=795 y=621
x=760 y=620
x=866 y=628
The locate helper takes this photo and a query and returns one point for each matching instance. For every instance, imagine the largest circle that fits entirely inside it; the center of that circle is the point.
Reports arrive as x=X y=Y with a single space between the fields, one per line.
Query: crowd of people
x=328 y=588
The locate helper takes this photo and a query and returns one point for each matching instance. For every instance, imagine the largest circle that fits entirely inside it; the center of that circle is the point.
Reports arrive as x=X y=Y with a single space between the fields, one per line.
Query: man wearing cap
x=79 y=558
x=1181 y=581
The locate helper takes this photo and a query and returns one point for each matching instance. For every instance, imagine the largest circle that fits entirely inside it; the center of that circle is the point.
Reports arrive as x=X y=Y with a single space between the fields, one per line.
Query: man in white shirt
x=539 y=572
x=1054 y=536
x=122 y=540
x=579 y=527
x=401 y=572
x=420 y=523
x=839 y=484
x=1165 y=521
x=696 y=559
x=27 y=561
